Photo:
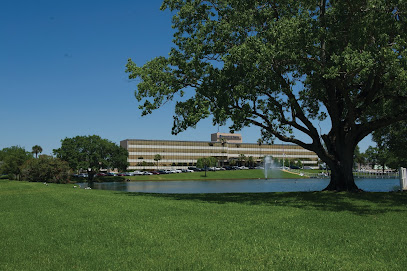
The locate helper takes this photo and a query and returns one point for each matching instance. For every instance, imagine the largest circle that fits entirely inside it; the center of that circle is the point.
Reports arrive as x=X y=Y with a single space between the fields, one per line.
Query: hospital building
x=223 y=146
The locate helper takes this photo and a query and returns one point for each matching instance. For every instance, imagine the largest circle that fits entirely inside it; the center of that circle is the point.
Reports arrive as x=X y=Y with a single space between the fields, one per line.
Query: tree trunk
x=341 y=150
x=342 y=173
x=341 y=181
x=91 y=175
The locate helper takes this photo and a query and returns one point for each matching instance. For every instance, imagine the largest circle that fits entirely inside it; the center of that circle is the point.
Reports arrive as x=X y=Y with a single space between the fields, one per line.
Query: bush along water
x=46 y=169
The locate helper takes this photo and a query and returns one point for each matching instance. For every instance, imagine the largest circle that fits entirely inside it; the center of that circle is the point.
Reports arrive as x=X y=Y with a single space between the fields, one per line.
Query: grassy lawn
x=217 y=175
x=58 y=227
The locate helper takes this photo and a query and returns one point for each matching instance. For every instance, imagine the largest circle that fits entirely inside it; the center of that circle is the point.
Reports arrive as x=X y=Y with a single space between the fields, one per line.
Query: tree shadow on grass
x=363 y=203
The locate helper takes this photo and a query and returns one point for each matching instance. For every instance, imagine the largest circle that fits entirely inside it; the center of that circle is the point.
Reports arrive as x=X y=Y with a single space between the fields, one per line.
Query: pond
x=240 y=186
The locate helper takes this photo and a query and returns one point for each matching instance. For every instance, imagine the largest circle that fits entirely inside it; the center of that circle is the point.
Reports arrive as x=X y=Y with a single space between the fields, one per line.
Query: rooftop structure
x=230 y=138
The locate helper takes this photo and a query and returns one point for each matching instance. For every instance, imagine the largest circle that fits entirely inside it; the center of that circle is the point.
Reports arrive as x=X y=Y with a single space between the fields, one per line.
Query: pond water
x=240 y=186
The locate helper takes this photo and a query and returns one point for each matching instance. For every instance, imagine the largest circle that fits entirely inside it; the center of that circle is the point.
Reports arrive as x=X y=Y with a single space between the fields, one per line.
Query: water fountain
x=268 y=165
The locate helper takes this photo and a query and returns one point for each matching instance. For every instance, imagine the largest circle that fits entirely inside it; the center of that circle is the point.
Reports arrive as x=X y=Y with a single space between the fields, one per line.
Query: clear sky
x=62 y=72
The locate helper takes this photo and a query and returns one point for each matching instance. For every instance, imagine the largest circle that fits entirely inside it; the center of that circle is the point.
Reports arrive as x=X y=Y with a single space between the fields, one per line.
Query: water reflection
x=240 y=186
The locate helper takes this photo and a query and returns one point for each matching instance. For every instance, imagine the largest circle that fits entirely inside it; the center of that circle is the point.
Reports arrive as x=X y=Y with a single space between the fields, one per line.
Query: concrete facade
x=183 y=154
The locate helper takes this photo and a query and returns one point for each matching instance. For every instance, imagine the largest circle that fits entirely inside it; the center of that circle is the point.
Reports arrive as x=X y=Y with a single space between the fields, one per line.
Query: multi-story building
x=170 y=154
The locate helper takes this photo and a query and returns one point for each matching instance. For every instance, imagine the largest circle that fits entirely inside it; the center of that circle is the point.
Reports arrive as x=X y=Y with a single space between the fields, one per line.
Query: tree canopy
x=284 y=66
x=84 y=152
x=376 y=157
x=12 y=159
x=206 y=162
x=46 y=169
x=391 y=144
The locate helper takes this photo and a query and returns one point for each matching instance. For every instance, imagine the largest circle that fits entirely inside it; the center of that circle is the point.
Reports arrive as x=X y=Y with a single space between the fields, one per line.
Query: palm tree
x=259 y=142
x=250 y=161
x=157 y=158
x=223 y=142
x=36 y=149
x=242 y=159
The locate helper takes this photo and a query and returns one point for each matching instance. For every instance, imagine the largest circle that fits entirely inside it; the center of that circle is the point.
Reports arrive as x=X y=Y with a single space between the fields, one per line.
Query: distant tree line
x=90 y=153
x=390 y=150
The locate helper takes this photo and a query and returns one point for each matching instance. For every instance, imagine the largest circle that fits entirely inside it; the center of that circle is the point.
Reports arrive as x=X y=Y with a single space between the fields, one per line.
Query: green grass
x=58 y=227
x=217 y=175
x=314 y=171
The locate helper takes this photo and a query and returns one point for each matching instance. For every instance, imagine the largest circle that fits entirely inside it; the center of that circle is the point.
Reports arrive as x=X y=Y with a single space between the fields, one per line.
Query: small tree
x=206 y=162
x=157 y=158
x=376 y=156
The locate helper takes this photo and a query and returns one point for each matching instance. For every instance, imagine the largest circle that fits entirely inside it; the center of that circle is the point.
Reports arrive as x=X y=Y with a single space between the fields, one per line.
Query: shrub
x=45 y=169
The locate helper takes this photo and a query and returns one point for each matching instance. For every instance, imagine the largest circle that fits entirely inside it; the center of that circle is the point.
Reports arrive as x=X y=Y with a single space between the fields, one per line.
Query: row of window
x=219 y=150
x=135 y=158
x=187 y=152
x=184 y=163
x=142 y=155
x=141 y=143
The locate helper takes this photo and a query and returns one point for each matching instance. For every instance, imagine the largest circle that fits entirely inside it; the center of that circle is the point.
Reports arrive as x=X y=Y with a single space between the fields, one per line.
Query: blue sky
x=62 y=72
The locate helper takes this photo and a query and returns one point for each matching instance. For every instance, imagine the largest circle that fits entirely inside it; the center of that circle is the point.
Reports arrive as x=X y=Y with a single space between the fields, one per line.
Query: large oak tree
x=284 y=65
x=92 y=153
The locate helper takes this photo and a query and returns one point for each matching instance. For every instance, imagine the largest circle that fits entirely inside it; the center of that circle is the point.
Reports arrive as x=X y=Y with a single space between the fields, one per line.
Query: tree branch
x=298 y=111
x=367 y=128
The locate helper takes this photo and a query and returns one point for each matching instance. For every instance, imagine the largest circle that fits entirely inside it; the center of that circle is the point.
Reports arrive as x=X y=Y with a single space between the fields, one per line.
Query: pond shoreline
x=239 y=186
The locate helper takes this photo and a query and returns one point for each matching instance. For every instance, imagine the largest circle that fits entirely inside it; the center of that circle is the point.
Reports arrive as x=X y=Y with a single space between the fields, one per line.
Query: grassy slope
x=57 y=227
